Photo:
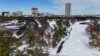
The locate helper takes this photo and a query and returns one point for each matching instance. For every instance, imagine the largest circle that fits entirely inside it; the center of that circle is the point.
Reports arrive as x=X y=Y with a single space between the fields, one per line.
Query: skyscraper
x=35 y=12
x=19 y=13
x=68 y=9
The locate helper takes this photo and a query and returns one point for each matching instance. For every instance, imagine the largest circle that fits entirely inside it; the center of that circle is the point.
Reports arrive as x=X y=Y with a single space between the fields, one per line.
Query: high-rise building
x=19 y=13
x=35 y=12
x=14 y=14
x=68 y=9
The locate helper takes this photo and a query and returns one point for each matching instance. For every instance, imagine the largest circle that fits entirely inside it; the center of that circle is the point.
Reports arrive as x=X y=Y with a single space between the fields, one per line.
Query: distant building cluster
x=16 y=14
x=13 y=14
x=35 y=13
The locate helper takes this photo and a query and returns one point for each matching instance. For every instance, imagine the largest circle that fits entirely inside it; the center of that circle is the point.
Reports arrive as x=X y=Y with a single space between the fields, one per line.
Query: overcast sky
x=52 y=6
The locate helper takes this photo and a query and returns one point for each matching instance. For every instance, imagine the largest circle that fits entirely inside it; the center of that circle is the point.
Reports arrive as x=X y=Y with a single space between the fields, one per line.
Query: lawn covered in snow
x=77 y=43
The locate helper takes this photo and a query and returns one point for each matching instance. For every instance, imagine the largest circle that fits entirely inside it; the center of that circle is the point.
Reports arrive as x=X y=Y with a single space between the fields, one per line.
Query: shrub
x=6 y=41
x=54 y=44
x=66 y=23
x=42 y=43
x=57 y=37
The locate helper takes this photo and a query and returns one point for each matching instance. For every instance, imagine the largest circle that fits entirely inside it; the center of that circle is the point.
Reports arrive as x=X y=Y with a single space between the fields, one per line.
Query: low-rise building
x=5 y=14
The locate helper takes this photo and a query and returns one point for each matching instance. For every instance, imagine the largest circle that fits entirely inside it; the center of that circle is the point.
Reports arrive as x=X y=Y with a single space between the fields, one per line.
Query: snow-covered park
x=75 y=43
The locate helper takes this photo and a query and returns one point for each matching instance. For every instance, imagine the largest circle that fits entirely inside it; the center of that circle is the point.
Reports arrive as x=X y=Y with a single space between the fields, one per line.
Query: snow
x=77 y=43
x=12 y=27
x=23 y=47
x=12 y=24
x=17 y=36
x=14 y=21
x=52 y=24
x=9 y=22
x=39 y=25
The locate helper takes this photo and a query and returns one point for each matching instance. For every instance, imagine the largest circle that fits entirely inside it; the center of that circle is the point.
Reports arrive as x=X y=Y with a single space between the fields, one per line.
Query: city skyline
x=51 y=6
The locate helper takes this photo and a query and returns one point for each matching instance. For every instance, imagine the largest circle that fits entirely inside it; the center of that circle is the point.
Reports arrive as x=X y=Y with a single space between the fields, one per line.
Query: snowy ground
x=9 y=22
x=22 y=48
x=13 y=26
x=77 y=43
x=52 y=23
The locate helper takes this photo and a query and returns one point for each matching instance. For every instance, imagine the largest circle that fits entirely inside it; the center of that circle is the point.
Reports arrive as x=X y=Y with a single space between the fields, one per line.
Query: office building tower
x=19 y=13
x=68 y=9
x=34 y=12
